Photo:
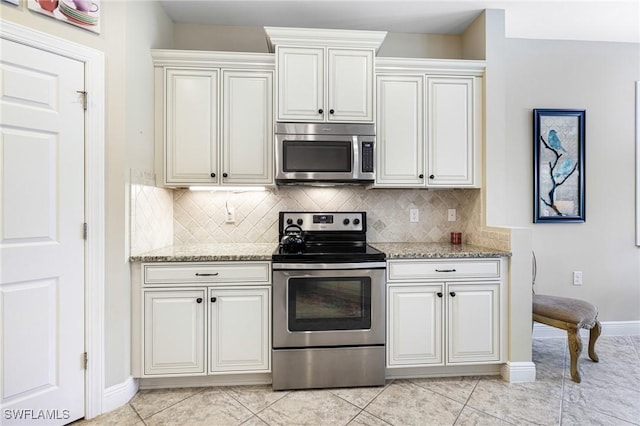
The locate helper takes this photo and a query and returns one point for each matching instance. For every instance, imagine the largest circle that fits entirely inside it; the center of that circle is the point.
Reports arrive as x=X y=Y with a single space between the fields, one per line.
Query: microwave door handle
x=355 y=163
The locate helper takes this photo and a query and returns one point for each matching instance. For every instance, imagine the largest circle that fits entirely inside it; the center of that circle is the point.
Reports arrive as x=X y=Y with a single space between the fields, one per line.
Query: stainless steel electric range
x=328 y=303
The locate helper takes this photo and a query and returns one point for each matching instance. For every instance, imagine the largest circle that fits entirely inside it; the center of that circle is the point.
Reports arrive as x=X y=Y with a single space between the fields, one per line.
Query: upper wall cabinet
x=325 y=75
x=429 y=123
x=214 y=118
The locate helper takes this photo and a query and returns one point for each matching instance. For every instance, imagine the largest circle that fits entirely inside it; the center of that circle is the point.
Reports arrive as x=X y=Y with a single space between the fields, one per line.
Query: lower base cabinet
x=174 y=323
x=436 y=322
x=239 y=330
x=196 y=324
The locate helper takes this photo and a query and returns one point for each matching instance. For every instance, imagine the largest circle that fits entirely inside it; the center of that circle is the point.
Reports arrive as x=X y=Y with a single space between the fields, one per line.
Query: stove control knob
x=289 y=221
x=356 y=221
x=346 y=221
x=299 y=222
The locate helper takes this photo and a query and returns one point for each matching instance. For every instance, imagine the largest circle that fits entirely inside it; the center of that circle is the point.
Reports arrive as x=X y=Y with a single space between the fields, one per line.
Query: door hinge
x=85 y=230
x=86 y=360
x=84 y=98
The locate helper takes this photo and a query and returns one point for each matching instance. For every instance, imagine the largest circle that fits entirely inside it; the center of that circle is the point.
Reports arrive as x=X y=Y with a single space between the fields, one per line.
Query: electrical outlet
x=414 y=215
x=230 y=216
x=577 y=277
x=451 y=215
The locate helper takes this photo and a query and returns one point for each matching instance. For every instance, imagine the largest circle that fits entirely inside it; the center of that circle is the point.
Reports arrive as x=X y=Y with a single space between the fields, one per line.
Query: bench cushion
x=573 y=311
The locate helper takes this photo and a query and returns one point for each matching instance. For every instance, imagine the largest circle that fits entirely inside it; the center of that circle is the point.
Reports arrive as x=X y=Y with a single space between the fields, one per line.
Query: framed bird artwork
x=558 y=165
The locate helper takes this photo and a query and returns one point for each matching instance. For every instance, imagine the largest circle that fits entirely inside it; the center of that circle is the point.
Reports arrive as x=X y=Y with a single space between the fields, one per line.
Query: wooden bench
x=571 y=315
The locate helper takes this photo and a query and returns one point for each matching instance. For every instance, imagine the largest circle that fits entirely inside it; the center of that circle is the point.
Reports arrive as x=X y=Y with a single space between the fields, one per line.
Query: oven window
x=329 y=304
x=316 y=156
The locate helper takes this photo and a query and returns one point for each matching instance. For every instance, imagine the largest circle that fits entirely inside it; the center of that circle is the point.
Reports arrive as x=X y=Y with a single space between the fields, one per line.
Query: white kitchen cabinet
x=204 y=320
x=429 y=123
x=473 y=322
x=214 y=115
x=300 y=84
x=415 y=325
x=325 y=84
x=400 y=123
x=453 y=131
x=445 y=313
x=247 y=127
x=191 y=135
x=174 y=332
x=239 y=329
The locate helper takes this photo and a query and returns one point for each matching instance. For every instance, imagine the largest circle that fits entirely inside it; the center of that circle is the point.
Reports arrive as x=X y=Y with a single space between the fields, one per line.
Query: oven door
x=327 y=306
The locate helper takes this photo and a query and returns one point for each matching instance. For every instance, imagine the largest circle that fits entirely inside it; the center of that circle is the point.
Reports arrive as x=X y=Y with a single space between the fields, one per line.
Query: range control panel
x=335 y=221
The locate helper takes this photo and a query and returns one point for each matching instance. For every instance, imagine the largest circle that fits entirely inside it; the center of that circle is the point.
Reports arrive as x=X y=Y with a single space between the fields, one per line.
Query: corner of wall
x=474 y=39
x=495 y=147
x=520 y=296
x=151 y=214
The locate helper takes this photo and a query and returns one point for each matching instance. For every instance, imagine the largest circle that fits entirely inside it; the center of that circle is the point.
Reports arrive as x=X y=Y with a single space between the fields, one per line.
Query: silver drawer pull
x=445 y=270
x=198 y=274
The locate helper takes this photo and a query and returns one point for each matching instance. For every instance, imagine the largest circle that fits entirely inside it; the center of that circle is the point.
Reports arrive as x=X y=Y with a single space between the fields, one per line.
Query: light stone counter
x=263 y=251
x=436 y=251
x=209 y=253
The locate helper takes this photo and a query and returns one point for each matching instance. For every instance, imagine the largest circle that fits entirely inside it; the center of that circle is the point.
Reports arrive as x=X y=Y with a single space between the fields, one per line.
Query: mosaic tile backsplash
x=162 y=217
x=200 y=216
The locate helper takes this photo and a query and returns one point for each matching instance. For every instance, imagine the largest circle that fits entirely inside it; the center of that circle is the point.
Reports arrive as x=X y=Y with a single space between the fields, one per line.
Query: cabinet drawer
x=403 y=270
x=190 y=273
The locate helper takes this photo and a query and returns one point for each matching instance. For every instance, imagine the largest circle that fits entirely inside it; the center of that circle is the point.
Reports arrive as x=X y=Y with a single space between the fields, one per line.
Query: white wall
x=409 y=45
x=598 y=77
x=130 y=135
x=136 y=28
x=254 y=39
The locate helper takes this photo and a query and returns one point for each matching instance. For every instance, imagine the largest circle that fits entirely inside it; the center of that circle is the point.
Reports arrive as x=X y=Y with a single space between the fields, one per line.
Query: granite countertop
x=436 y=250
x=209 y=253
x=263 y=251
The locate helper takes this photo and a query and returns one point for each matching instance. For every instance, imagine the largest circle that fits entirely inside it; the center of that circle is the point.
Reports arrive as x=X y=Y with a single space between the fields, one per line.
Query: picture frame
x=558 y=165
x=83 y=14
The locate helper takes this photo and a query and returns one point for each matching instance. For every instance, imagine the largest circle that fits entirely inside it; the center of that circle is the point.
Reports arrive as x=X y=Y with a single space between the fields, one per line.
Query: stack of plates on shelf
x=68 y=9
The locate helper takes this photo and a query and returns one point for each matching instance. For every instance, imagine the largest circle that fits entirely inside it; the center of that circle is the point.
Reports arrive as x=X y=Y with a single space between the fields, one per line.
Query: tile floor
x=608 y=395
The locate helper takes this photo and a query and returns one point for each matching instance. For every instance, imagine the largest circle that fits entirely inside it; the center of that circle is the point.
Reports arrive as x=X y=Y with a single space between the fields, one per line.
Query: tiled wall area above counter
x=161 y=217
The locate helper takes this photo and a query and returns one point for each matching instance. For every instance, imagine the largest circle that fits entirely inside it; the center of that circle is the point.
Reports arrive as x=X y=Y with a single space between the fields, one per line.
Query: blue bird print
x=554 y=142
x=564 y=169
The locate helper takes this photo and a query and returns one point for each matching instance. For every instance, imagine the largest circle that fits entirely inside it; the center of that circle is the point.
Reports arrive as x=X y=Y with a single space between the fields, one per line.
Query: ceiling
x=613 y=20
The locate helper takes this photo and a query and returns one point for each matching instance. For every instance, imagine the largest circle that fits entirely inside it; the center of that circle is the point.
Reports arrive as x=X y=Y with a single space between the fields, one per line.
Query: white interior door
x=41 y=236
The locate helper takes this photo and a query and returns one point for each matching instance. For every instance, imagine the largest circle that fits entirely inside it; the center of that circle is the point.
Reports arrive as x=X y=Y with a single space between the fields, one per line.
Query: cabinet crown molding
x=201 y=58
x=323 y=37
x=431 y=66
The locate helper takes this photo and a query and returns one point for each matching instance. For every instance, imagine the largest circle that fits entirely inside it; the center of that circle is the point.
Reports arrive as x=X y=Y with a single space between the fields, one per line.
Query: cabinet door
x=350 y=85
x=239 y=330
x=300 y=83
x=400 y=155
x=414 y=325
x=473 y=316
x=174 y=332
x=451 y=131
x=191 y=127
x=247 y=129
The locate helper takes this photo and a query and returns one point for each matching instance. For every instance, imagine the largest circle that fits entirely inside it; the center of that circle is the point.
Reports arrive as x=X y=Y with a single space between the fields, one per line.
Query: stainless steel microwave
x=325 y=152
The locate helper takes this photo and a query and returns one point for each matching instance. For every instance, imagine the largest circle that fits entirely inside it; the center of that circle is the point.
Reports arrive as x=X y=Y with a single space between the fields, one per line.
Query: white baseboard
x=118 y=395
x=609 y=328
x=518 y=372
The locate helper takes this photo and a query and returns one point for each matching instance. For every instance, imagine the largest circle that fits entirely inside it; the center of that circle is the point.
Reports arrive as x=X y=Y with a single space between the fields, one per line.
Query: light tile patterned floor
x=608 y=395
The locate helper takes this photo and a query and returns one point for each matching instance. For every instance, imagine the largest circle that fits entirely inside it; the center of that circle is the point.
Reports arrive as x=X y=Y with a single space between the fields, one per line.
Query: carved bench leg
x=575 y=347
x=594 y=333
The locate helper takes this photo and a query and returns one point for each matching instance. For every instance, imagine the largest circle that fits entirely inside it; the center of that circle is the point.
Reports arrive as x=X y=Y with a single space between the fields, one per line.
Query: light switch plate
x=451 y=215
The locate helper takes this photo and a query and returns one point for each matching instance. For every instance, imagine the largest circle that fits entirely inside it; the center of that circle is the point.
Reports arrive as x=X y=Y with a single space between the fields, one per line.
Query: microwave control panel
x=367 y=157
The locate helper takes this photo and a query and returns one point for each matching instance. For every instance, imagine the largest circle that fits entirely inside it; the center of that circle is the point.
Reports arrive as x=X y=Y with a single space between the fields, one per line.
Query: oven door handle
x=328 y=266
